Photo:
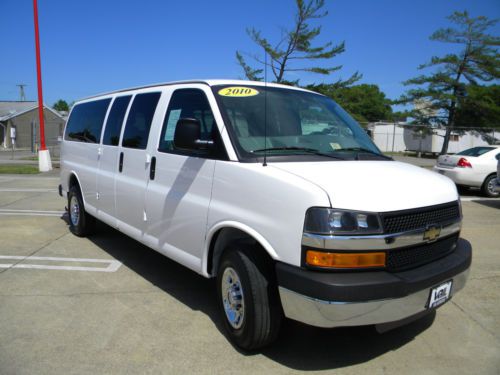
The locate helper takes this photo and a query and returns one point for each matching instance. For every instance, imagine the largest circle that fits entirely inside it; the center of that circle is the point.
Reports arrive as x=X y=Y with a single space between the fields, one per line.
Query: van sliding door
x=132 y=168
x=108 y=160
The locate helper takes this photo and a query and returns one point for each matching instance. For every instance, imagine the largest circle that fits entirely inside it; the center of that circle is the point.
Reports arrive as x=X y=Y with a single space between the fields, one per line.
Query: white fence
x=393 y=137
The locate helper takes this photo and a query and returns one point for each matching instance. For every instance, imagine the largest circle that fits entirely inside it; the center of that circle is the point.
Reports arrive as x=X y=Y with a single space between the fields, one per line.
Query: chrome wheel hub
x=232 y=298
x=491 y=187
x=74 y=211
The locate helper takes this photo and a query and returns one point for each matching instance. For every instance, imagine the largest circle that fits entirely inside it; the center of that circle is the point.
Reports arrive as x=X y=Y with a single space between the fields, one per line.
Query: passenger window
x=139 y=120
x=115 y=120
x=186 y=103
x=86 y=120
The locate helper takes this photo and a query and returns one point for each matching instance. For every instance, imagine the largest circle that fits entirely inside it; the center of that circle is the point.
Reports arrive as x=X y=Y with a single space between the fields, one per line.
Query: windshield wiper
x=364 y=150
x=312 y=151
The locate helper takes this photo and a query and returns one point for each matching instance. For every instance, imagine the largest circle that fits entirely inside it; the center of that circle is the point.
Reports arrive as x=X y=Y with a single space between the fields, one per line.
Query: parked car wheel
x=80 y=222
x=248 y=298
x=488 y=187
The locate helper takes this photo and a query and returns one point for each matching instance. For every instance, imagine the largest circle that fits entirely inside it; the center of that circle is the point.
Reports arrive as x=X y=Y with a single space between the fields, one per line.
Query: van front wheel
x=248 y=298
x=80 y=222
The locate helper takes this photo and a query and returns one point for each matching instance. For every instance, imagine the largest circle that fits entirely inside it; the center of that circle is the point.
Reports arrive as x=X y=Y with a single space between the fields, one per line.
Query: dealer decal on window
x=238 y=91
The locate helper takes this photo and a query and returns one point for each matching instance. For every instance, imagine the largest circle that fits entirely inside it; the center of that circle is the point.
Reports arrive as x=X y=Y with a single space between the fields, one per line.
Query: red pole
x=39 y=78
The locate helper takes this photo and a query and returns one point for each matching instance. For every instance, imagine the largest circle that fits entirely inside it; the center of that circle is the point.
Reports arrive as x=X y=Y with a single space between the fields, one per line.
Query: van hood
x=377 y=186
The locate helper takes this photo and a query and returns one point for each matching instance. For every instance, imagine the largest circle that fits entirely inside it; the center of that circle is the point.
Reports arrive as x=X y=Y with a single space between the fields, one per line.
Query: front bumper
x=336 y=299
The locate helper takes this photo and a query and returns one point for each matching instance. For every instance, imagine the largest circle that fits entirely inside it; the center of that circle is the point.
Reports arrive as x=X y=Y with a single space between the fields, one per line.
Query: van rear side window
x=139 y=120
x=86 y=120
x=115 y=120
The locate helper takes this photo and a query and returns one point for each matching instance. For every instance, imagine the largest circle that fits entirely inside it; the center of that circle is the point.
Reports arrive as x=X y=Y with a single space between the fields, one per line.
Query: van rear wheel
x=248 y=298
x=80 y=222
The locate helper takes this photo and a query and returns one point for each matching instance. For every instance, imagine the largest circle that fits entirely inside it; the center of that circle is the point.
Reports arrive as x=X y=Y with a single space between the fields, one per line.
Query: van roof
x=209 y=82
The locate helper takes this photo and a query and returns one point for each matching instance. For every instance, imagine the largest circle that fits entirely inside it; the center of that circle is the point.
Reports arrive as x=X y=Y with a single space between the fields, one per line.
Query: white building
x=400 y=137
x=459 y=140
x=388 y=136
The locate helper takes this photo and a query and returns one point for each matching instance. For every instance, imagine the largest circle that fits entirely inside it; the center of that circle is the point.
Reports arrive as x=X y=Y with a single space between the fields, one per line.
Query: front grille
x=414 y=256
x=402 y=221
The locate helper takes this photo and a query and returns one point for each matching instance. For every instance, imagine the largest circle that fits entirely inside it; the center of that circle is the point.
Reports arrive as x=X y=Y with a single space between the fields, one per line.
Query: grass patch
x=18 y=169
x=412 y=154
x=33 y=158
x=30 y=158
x=402 y=153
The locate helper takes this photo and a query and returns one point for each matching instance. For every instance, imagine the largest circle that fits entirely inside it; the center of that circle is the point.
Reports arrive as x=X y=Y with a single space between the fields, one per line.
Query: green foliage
x=480 y=107
x=366 y=103
x=445 y=89
x=18 y=169
x=400 y=116
x=61 y=105
x=294 y=47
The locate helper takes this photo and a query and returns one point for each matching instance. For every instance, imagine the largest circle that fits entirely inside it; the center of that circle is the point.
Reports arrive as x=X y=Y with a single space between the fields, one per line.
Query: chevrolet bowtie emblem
x=432 y=232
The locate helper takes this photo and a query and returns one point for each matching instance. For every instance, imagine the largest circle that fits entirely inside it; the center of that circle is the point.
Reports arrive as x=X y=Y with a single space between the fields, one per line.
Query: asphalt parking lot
x=107 y=304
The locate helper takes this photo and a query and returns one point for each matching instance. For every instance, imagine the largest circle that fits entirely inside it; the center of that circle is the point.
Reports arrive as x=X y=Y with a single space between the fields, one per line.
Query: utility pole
x=44 y=162
x=22 y=96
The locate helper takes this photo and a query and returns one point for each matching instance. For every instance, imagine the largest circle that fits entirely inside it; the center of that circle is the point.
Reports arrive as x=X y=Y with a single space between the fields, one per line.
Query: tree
x=61 y=105
x=444 y=90
x=366 y=103
x=480 y=107
x=400 y=116
x=295 y=45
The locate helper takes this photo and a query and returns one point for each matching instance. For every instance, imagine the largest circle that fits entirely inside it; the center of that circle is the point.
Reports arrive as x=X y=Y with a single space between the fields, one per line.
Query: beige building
x=19 y=121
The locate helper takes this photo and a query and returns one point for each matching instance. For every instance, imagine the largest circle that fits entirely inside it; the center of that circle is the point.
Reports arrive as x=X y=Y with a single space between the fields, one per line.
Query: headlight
x=333 y=221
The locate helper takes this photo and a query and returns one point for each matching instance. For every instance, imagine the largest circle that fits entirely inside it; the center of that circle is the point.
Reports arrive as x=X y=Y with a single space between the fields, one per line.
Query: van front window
x=279 y=122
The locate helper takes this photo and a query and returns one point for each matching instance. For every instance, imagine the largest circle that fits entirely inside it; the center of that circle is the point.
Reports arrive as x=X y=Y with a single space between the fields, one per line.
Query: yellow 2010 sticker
x=237 y=91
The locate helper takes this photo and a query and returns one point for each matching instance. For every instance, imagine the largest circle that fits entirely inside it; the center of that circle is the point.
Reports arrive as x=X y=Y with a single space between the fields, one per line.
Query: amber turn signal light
x=344 y=260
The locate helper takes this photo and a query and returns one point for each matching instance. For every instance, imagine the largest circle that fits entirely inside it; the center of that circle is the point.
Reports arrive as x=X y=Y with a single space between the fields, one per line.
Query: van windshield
x=284 y=122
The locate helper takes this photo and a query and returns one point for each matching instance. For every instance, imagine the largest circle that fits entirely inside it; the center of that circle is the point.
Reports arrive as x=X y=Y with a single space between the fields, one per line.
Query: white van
x=274 y=191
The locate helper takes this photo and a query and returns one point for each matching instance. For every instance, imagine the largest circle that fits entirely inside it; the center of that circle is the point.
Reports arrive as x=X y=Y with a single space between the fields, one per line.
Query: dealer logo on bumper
x=432 y=232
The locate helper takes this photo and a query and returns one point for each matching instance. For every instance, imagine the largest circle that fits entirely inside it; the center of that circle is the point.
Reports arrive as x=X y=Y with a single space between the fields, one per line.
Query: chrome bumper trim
x=329 y=314
x=374 y=242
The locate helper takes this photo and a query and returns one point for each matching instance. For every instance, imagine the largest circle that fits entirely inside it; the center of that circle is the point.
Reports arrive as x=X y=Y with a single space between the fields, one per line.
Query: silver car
x=475 y=167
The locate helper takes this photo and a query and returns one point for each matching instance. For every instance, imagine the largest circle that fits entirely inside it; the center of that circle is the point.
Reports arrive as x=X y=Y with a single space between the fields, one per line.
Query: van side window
x=86 y=120
x=186 y=103
x=115 y=120
x=139 y=120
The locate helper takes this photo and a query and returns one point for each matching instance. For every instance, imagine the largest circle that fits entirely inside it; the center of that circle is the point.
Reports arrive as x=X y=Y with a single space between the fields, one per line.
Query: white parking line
x=113 y=265
x=471 y=199
x=8 y=211
x=27 y=177
x=28 y=190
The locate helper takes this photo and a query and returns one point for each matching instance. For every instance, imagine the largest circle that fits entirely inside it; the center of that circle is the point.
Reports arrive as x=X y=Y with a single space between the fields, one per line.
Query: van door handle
x=120 y=163
x=152 y=168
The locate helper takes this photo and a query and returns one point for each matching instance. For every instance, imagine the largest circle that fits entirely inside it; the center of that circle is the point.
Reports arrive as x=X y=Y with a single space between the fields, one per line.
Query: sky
x=90 y=47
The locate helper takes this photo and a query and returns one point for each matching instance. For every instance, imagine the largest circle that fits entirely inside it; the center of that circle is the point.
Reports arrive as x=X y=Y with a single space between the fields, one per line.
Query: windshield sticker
x=335 y=146
x=239 y=92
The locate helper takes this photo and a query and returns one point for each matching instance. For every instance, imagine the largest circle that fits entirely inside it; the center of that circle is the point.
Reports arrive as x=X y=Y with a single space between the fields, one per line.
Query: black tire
x=462 y=189
x=260 y=321
x=488 y=186
x=80 y=222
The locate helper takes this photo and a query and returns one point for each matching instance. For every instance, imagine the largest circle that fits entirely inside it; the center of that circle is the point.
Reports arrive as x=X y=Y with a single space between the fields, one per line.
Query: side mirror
x=187 y=131
x=187 y=135
x=497 y=157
